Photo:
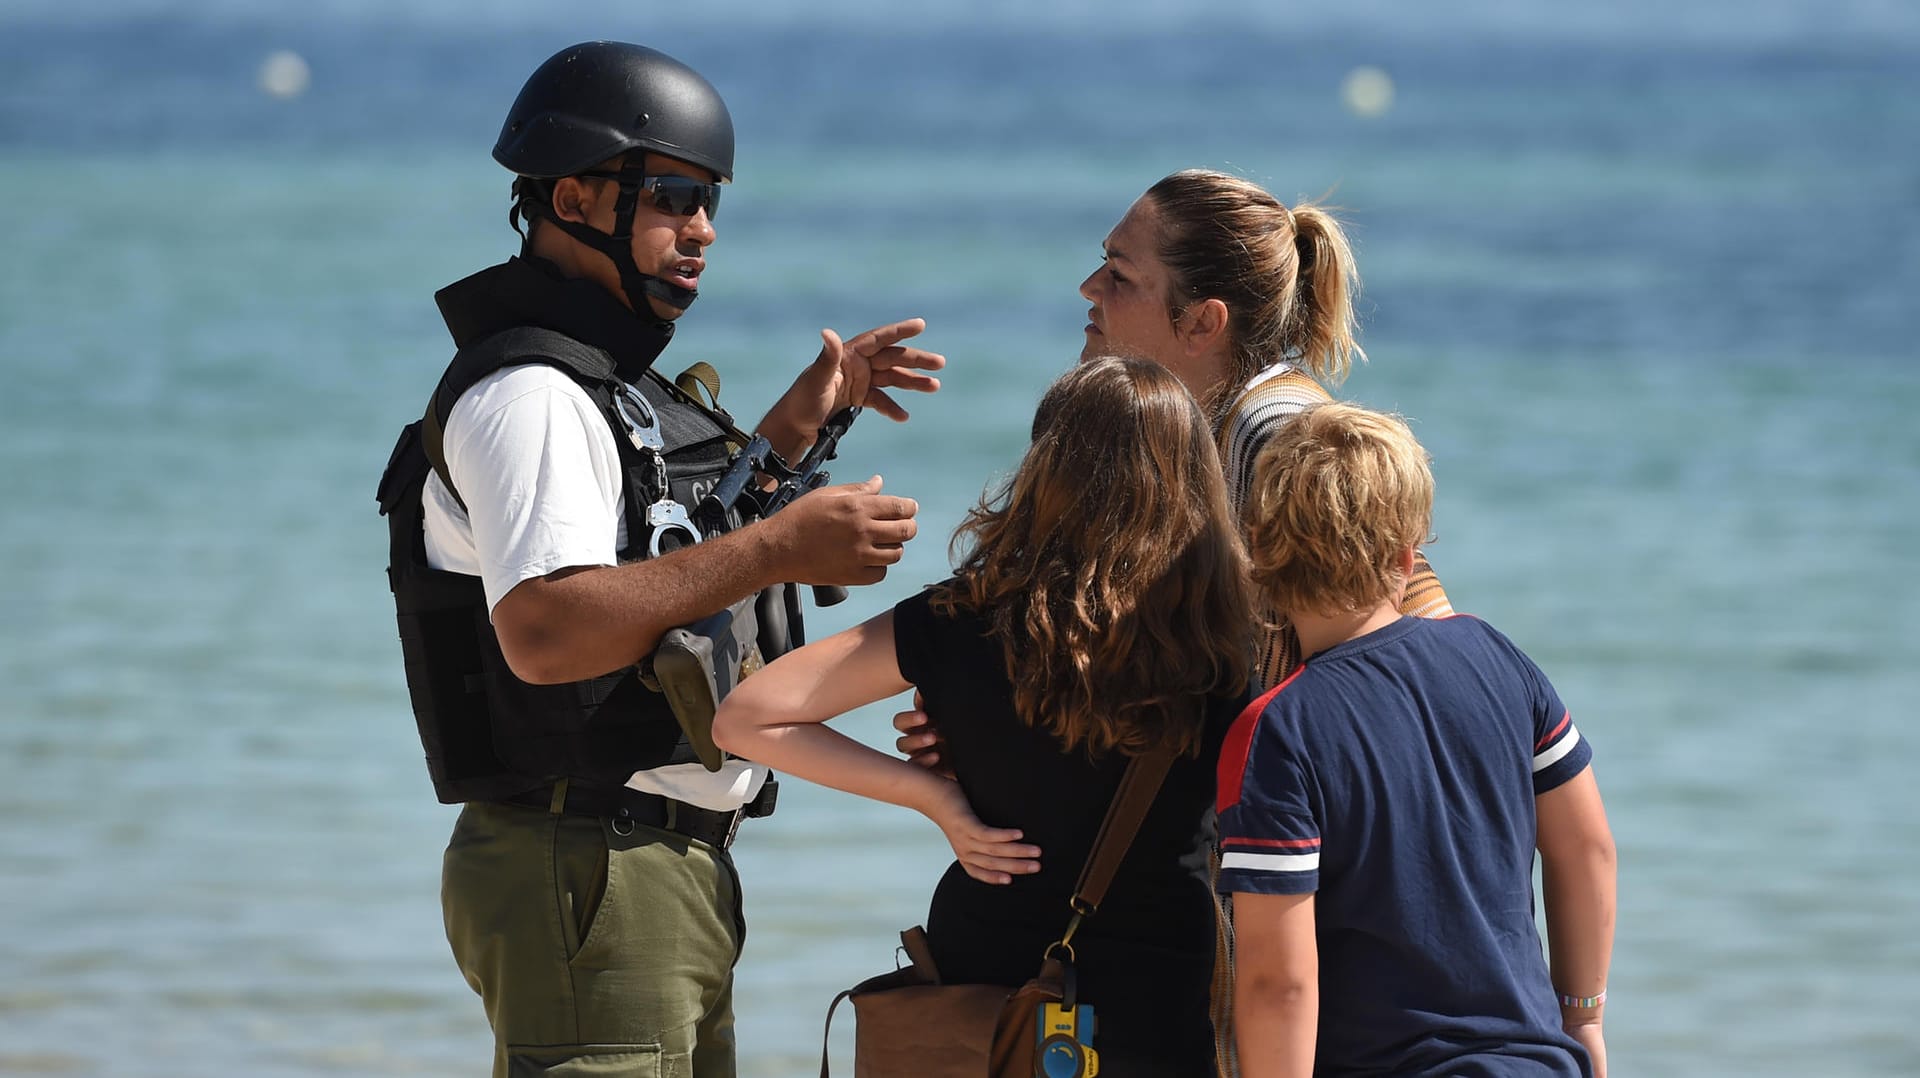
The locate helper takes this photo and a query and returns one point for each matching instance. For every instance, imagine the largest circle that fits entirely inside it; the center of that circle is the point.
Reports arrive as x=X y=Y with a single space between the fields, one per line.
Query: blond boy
x=1380 y=809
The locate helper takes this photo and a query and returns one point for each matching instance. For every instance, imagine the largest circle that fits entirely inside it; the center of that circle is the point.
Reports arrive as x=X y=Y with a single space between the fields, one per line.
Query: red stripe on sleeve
x=1285 y=843
x=1233 y=754
x=1565 y=720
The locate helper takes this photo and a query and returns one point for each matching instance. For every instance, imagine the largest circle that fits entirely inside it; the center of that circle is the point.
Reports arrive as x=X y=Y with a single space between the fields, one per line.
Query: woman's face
x=1129 y=294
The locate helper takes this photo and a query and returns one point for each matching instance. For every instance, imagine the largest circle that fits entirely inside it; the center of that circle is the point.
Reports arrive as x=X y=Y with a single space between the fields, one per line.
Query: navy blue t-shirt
x=1394 y=776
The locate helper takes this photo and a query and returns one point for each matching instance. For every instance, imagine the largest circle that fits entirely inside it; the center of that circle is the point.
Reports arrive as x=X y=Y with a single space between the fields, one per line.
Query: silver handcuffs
x=643 y=430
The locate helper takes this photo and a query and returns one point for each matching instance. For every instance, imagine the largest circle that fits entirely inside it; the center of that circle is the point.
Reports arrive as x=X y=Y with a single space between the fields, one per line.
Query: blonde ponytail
x=1323 y=337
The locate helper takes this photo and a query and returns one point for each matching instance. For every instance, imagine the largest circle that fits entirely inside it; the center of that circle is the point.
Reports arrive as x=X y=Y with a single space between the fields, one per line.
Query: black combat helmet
x=592 y=101
x=596 y=100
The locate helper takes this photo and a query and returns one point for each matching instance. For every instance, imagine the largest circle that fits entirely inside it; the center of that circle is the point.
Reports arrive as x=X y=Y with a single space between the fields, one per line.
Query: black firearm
x=759 y=457
x=697 y=665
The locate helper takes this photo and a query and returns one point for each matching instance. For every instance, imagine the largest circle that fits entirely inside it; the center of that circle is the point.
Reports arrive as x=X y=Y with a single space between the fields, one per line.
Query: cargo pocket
x=586 y=1061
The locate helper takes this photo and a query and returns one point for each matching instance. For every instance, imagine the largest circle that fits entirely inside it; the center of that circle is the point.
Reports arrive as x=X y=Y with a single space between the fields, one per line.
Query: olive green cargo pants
x=595 y=953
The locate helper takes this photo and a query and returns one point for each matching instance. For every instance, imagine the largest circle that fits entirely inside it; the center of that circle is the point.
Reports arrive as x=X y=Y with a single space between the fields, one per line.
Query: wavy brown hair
x=1109 y=566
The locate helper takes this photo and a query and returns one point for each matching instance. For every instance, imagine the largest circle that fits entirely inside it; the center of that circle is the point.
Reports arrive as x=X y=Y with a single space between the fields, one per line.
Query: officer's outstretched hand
x=844 y=535
x=858 y=371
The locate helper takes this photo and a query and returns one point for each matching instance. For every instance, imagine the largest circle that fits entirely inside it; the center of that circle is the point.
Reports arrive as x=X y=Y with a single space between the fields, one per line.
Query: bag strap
x=1131 y=801
x=921 y=972
x=1012 y=1037
x=826 y=1038
x=1138 y=787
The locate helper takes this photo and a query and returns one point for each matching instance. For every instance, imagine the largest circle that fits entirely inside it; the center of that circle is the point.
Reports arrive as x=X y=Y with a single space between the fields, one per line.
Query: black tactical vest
x=487 y=734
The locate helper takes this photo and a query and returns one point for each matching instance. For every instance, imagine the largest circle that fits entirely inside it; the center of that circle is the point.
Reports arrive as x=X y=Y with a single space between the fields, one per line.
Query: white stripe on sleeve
x=1557 y=751
x=1272 y=862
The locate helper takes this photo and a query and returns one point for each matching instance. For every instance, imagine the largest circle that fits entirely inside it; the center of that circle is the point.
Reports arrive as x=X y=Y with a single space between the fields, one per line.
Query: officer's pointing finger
x=903 y=378
x=901 y=356
x=890 y=334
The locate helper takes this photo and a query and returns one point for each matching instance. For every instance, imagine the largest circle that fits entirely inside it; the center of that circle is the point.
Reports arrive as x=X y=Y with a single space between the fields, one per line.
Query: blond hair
x=1338 y=494
x=1109 y=566
x=1287 y=276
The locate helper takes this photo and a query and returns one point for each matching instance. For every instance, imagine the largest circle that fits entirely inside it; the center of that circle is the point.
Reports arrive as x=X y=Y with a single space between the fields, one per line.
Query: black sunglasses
x=682 y=196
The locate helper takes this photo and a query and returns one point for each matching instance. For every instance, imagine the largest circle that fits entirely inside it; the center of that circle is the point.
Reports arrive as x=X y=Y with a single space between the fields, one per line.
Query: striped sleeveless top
x=1274 y=396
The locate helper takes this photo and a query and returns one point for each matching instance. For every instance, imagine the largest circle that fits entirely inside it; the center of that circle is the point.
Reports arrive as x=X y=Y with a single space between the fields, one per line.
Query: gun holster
x=697 y=665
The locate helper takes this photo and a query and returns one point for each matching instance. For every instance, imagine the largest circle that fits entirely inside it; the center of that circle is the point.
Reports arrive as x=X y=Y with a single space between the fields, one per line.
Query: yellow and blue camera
x=1066 y=1043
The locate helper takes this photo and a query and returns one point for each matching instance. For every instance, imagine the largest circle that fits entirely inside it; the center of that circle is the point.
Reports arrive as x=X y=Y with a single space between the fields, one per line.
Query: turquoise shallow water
x=1646 y=289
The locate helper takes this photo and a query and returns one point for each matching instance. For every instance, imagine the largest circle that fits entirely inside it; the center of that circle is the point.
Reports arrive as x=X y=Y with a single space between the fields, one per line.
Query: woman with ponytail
x=1250 y=303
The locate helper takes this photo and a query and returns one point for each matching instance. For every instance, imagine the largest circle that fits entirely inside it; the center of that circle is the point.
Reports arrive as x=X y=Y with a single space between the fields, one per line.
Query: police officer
x=547 y=529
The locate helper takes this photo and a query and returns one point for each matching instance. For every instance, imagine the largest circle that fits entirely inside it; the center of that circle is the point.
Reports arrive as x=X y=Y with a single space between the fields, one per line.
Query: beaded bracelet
x=1584 y=1002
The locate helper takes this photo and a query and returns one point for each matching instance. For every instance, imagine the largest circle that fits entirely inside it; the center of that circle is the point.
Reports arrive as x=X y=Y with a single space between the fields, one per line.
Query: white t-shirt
x=527 y=444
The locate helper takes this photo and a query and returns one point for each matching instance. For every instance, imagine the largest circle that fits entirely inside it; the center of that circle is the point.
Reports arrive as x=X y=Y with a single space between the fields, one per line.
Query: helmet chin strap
x=618 y=246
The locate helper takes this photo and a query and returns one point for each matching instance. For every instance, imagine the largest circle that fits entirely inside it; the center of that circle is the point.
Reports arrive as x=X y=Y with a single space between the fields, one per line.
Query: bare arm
x=1577 y=871
x=1276 y=985
x=776 y=717
x=583 y=622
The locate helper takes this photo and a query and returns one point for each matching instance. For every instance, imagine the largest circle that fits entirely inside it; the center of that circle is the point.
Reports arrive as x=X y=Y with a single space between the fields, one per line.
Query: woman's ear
x=1204 y=327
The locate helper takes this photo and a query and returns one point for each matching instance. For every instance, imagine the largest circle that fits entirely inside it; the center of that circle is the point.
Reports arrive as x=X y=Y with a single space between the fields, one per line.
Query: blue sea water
x=1642 y=274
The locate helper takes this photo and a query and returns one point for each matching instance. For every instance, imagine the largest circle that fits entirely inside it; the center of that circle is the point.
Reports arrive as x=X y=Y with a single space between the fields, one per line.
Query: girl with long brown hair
x=1100 y=611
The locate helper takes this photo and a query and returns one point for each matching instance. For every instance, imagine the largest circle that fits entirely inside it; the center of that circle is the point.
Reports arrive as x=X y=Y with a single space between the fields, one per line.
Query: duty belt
x=627 y=808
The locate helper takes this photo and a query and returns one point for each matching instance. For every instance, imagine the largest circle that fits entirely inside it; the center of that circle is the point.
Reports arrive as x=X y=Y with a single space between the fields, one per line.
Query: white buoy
x=284 y=74
x=1367 y=91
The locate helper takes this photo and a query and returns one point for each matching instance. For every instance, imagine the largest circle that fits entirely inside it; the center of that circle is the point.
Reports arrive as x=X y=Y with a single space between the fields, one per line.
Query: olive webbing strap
x=687 y=385
x=433 y=440
x=700 y=376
